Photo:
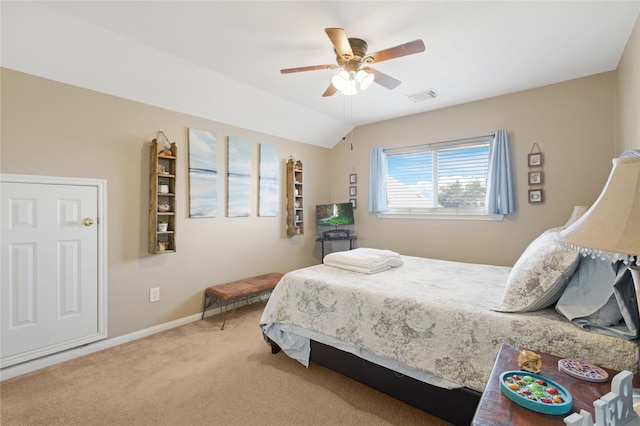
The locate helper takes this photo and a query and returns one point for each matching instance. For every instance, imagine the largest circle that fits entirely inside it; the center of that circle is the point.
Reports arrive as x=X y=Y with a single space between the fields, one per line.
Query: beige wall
x=572 y=122
x=50 y=128
x=628 y=105
x=54 y=129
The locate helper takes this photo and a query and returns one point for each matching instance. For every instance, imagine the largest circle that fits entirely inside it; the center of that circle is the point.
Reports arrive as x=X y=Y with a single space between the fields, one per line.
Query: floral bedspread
x=434 y=316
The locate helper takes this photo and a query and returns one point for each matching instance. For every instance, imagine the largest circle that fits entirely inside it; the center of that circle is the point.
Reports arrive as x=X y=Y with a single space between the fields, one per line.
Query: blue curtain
x=499 y=199
x=378 y=180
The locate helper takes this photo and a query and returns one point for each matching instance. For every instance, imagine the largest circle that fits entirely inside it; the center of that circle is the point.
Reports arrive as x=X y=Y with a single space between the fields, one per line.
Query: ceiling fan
x=352 y=57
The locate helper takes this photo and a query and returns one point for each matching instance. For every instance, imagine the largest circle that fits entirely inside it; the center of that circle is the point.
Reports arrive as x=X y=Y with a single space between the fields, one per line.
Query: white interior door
x=52 y=292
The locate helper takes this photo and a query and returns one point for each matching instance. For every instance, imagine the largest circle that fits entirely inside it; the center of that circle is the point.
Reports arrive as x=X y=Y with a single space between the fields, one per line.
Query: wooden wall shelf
x=295 y=198
x=162 y=197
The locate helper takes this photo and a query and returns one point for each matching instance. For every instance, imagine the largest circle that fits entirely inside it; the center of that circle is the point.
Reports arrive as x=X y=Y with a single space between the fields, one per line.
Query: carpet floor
x=197 y=374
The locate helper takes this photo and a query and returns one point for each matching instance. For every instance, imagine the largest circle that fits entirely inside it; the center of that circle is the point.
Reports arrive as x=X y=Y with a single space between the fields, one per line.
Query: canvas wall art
x=238 y=177
x=269 y=181
x=203 y=173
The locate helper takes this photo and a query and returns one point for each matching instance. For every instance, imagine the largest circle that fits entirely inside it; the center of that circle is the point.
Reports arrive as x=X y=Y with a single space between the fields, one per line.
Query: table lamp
x=576 y=214
x=610 y=229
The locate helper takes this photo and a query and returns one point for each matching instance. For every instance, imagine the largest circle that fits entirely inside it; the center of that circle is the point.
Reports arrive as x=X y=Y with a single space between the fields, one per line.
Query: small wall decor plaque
x=535 y=159
x=535 y=178
x=535 y=196
x=535 y=175
x=535 y=156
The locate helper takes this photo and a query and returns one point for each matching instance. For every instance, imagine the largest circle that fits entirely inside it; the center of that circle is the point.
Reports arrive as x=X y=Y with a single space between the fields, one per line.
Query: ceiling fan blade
x=383 y=79
x=310 y=68
x=331 y=90
x=340 y=42
x=415 y=46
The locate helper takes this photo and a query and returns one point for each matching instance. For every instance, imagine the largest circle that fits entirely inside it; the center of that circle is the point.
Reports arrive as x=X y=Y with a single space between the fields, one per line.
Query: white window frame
x=440 y=212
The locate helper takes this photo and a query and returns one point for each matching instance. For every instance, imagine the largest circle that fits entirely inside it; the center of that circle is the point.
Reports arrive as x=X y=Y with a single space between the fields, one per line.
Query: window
x=440 y=178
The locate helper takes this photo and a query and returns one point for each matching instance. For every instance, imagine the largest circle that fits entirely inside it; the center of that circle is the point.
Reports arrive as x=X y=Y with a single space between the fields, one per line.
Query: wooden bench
x=233 y=292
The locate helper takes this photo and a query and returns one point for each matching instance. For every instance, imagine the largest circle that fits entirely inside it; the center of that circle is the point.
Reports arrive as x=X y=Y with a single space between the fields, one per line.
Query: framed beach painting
x=269 y=181
x=238 y=177
x=203 y=173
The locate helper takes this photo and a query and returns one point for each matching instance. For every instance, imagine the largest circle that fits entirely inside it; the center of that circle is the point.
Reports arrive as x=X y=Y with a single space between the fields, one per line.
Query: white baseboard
x=47 y=361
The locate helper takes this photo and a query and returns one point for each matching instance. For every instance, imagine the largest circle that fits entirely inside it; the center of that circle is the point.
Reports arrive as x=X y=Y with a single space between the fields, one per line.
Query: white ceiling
x=474 y=50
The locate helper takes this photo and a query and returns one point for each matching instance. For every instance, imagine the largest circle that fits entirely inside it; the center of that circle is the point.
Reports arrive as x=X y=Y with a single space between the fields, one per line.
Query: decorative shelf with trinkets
x=295 y=198
x=162 y=195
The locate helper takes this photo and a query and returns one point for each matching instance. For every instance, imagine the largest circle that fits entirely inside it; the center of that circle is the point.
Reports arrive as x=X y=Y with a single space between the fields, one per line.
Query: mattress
x=429 y=319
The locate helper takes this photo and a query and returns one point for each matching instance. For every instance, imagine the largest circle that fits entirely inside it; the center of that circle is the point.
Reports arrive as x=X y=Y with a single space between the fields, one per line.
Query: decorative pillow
x=540 y=275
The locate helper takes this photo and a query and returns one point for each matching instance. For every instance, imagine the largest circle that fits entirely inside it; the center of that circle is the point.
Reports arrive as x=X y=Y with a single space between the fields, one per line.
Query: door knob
x=88 y=221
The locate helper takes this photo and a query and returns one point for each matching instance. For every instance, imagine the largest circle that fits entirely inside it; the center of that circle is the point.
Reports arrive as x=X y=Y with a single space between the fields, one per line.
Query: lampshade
x=576 y=214
x=611 y=227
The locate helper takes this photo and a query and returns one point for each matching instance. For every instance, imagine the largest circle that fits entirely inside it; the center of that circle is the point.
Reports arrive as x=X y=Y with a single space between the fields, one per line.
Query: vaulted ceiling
x=222 y=59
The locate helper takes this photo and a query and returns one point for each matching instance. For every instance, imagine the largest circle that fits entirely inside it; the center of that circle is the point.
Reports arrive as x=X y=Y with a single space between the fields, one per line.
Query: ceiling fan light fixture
x=350 y=88
x=345 y=81
x=340 y=80
x=365 y=79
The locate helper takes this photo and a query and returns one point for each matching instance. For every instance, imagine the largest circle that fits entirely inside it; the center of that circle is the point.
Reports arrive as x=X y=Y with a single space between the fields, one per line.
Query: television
x=334 y=215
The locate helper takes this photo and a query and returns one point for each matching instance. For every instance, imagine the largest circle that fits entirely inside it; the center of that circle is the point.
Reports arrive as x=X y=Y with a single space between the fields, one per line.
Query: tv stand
x=336 y=235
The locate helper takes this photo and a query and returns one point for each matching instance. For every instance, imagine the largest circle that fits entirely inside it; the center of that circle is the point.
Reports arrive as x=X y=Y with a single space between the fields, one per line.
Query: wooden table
x=495 y=409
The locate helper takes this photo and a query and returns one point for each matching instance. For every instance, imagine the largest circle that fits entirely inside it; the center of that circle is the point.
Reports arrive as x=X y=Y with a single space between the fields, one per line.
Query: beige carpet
x=198 y=374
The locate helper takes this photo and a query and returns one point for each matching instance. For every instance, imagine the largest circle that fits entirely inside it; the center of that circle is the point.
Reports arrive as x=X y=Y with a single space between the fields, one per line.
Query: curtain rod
x=452 y=141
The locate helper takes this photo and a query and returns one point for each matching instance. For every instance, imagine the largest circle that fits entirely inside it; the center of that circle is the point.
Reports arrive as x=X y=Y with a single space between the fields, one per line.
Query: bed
x=427 y=331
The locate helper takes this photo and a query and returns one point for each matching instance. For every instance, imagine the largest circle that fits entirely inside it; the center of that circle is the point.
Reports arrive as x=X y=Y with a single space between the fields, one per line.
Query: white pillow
x=540 y=275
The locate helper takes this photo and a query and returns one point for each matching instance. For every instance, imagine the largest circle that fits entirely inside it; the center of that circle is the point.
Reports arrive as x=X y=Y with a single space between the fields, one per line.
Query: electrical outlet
x=154 y=294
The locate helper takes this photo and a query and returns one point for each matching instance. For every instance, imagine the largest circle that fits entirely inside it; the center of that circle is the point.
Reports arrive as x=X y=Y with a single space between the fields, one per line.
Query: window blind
x=438 y=176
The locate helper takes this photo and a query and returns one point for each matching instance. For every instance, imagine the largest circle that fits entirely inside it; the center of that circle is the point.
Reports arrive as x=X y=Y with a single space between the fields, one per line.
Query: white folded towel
x=364 y=260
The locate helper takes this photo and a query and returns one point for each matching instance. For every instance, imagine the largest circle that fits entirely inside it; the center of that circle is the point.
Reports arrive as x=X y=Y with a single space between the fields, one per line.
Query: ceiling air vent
x=424 y=95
